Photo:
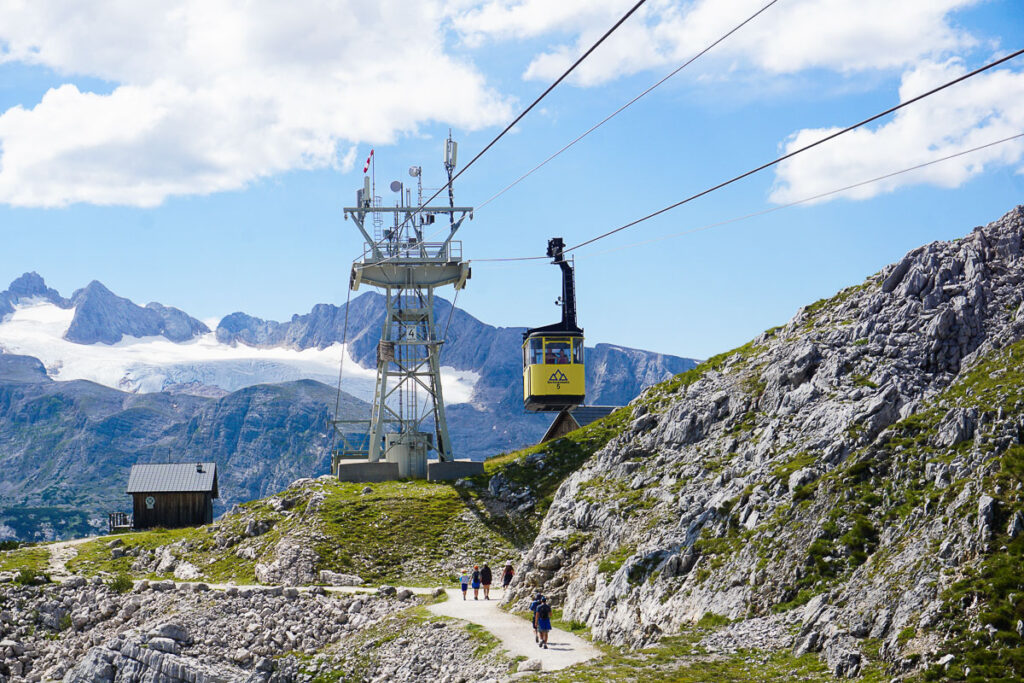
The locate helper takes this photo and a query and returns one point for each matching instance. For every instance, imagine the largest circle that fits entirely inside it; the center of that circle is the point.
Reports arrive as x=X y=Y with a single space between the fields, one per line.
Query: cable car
x=553 y=370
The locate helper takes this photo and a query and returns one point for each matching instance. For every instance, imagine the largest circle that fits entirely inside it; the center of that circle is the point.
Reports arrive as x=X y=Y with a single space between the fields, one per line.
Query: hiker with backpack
x=533 y=619
x=543 y=621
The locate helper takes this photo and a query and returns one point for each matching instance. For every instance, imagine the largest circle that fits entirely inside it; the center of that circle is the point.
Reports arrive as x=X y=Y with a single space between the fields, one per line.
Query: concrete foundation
x=455 y=469
x=366 y=471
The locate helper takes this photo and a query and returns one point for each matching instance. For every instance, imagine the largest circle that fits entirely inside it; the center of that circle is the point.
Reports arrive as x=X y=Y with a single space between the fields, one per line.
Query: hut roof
x=584 y=415
x=580 y=416
x=176 y=477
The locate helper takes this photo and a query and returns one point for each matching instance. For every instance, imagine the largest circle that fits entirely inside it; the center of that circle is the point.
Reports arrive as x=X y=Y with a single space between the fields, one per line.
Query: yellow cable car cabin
x=553 y=368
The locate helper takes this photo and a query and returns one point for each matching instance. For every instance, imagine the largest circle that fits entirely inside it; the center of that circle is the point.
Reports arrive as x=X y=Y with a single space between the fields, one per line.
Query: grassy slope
x=401 y=532
x=34 y=558
x=412 y=533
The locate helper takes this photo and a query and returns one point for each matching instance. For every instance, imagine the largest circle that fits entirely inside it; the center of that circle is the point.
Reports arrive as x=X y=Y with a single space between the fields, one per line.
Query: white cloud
x=791 y=36
x=209 y=96
x=983 y=109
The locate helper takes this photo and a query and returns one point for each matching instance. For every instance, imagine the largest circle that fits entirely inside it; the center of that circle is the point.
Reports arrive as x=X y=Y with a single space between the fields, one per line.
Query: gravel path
x=515 y=634
x=60 y=553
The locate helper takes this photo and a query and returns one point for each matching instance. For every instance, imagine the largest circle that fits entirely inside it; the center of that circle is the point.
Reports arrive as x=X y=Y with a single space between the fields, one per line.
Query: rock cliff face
x=858 y=469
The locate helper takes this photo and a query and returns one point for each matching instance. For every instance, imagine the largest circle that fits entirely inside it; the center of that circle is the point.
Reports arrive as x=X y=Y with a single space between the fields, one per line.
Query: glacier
x=152 y=364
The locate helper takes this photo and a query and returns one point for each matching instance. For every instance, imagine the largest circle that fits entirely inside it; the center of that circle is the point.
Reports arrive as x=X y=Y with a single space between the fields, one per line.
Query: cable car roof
x=553 y=330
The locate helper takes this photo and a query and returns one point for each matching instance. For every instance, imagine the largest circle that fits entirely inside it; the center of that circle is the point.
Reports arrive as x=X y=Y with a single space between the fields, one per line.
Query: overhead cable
x=773 y=209
x=795 y=152
x=618 y=111
x=806 y=200
x=526 y=111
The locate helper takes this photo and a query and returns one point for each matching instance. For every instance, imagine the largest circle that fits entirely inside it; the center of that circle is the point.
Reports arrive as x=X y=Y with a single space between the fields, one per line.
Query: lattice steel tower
x=407 y=267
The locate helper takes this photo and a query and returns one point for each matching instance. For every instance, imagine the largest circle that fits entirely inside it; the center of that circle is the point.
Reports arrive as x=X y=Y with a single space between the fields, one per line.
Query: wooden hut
x=173 y=494
x=574 y=418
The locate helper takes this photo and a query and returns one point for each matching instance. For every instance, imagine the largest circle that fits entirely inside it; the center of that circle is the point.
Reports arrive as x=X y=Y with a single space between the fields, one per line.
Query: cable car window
x=577 y=351
x=536 y=351
x=557 y=352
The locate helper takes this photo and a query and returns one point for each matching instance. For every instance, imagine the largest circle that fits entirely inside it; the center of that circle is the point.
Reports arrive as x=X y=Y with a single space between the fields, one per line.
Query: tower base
x=361 y=471
x=453 y=469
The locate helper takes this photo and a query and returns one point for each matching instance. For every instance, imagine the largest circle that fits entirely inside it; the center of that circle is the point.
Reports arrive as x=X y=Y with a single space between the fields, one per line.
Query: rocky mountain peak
x=102 y=316
x=94 y=289
x=32 y=285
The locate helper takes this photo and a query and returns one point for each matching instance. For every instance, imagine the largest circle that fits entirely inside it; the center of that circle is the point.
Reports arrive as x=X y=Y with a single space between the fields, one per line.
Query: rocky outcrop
x=293 y=564
x=434 y=651
x=32 y=287
x=21 y=369
x=826 y=459
x=83 y=632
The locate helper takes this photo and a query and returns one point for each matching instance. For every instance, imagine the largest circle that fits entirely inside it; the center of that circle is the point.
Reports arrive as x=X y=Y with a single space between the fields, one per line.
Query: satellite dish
x=415 y=171
x=396 y=186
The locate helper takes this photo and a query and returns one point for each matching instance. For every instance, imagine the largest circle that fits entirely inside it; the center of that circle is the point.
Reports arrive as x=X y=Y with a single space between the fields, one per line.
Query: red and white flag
x=366 y=166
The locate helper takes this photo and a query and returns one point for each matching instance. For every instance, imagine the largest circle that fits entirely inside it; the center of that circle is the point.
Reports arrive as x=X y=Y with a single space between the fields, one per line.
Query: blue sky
x=200 y=154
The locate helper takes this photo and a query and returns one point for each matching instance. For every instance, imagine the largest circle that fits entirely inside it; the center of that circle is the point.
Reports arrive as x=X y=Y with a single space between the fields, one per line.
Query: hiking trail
x=515 y=634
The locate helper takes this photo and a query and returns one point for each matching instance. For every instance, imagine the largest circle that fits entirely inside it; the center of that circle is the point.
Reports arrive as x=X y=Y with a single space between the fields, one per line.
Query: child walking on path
x=485 y=579
x=464 y=580
x=476 y=582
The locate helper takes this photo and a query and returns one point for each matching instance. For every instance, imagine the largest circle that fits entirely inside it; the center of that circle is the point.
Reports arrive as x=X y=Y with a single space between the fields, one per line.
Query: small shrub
x=611 y=563
x=712 y=620
x=906 y=635
x=31 y=577
x=121 y=583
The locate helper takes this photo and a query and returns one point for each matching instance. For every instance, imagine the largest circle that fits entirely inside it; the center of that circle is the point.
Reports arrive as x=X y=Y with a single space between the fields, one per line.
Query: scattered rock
x=336 y=579
x=530 y=665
